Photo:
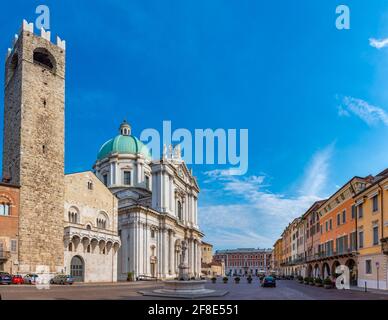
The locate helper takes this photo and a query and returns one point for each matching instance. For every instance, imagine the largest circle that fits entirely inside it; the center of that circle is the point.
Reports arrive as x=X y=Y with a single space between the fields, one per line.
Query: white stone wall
x=117 y=164
x=140 y=249
x=379 y=276
x=172 y=183
x=98 y=267
x=97 y=245
x=145 y=212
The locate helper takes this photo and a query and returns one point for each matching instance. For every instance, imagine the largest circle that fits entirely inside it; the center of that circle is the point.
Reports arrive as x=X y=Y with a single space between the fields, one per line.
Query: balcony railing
x=323 y=255
x=320 y=256
x=104 y=235
x=5 y=255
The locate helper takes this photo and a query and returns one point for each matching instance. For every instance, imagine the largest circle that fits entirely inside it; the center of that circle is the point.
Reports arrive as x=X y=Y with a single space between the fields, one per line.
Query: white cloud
x=378 y=43
x=370 y=114
x=256 y=215
x=316 y=175
x=248 y=239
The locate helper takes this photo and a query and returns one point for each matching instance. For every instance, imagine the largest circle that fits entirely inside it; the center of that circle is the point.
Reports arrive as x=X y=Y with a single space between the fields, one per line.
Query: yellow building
x=207 y=252
x=277 y=256
x=286 y=252
x=372 y=233
x=210 y=268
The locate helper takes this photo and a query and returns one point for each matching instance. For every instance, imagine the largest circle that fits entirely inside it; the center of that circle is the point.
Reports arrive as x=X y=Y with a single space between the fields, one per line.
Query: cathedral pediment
x=186 y=175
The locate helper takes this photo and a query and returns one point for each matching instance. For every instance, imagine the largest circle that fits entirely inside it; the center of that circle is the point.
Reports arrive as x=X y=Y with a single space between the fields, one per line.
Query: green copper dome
x=124 y=143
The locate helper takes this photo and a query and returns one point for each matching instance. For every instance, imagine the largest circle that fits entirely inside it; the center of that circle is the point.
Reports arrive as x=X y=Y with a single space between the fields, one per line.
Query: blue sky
x=314 y=98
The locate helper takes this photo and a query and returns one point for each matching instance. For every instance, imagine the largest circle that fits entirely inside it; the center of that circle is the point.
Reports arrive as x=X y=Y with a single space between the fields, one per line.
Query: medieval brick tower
x=33 y=155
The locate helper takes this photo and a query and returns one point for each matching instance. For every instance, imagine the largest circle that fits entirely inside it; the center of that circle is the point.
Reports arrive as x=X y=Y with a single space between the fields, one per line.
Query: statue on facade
x=164 y=151
x=170 y=151
x=177 y=152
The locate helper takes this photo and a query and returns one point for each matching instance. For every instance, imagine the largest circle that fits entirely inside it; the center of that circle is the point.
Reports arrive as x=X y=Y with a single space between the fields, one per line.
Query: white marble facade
x=91 y=240
x=157 y=207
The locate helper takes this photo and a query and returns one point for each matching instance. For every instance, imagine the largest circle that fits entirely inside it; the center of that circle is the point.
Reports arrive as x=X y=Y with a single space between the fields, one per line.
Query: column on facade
x=191 y=209
x=162 y=190
x=124 y=251
x=138 y=172
x=133 y=247
x=176 y=260
x=130 y=236
x=167 y=191
x=170 y=253
x=182 y=200
x=165 y=252
x=197 y=249
x=139 y=248
x=199 y=262
x=195 y=211
x=155 y=190
x=171 y=194
x=145 y=250
x=187 y=208
x=192 y=256
x=116 y=173
x=188 y=254
x=111 y=174
x=160 y=252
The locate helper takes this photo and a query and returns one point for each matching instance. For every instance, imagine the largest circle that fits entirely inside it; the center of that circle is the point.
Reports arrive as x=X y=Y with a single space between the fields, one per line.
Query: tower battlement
x=29 y=27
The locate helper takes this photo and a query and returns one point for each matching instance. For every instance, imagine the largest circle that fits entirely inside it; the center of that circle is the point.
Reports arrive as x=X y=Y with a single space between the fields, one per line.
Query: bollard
x=366 y=289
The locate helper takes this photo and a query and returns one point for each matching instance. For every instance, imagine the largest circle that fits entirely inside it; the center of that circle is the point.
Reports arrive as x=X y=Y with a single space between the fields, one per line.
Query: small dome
x=124 y=143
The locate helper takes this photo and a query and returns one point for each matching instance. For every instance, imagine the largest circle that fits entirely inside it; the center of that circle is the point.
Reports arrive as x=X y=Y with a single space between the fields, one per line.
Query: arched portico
x=309 y=270
x=334 y=265
x=351 y=264
x=317 y=272
x=325 y=270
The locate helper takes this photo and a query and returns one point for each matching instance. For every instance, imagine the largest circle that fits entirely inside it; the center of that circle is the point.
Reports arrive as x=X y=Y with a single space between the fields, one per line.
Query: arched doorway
x=325 y=270
x=77 y=268
x=351 y=264
x=333 y=267
x=310 y=271
x=317 y=273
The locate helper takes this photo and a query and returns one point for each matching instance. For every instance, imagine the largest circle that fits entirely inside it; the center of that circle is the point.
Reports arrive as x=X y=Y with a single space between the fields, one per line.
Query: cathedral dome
x=124 y=143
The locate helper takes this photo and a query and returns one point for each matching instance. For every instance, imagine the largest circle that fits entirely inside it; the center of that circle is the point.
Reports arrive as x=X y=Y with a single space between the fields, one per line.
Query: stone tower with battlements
x=33 y=151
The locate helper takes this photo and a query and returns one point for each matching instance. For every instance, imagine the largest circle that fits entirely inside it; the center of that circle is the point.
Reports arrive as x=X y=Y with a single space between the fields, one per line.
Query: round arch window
x=44 y=58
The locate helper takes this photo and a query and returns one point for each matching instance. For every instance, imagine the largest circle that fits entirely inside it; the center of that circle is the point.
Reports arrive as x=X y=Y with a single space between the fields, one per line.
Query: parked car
x=30 y=278
x=269 y=282
x=5 y=278
x=17 y=279
x=146 y=278
x=62 y=279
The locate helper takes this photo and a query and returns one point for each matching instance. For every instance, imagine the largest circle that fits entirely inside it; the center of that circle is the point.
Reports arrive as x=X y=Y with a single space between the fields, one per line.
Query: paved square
x=285 y=290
